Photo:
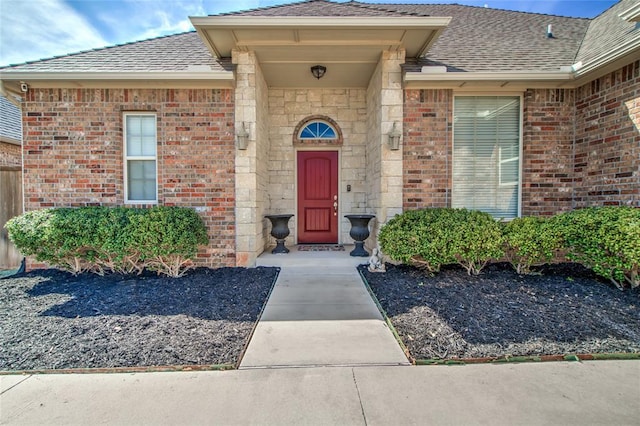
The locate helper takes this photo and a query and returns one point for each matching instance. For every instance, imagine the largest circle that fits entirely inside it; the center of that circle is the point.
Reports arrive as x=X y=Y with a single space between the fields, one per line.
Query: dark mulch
x=54 y=320
x=564 y=310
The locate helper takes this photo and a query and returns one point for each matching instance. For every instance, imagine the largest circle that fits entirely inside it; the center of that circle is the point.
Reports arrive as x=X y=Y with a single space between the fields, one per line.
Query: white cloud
x=36 y=29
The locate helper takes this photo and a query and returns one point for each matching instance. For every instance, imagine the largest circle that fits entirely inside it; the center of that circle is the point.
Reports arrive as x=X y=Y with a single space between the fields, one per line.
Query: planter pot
x=279 y=230
x=359 y=232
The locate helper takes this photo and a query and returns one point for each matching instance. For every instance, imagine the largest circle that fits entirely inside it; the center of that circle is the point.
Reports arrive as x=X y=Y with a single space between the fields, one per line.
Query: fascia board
x=632 y=14
x=300 y=22
x=610 y=56
x=489 y=76
x=187 y=75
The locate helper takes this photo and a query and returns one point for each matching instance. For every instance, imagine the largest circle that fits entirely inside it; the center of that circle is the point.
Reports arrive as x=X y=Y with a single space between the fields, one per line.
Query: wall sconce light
x=318 y=71
x=242 y=137
x=394 y=137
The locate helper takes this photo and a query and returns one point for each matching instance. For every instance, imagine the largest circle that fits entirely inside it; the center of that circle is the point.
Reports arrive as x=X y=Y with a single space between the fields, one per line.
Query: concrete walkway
x=589 y=393
x=320 y=314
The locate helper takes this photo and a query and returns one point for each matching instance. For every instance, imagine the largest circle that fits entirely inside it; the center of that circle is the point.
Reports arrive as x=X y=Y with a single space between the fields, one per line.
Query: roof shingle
x=607 y=31
x=178 y=52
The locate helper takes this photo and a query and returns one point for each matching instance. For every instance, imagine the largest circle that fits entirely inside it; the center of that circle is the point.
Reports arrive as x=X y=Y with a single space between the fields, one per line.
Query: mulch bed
x=563 y=310
x=53 y=320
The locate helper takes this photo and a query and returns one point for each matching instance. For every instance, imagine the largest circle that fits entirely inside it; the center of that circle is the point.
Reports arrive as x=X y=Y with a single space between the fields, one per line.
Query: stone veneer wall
x=73 y=153
x=252 y=176
x=607 y=137
x=10 y=154
x=385 y=167
x=287 y=108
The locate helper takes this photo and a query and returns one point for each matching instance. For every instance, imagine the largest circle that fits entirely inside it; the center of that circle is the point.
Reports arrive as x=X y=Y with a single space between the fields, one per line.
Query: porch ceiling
x=349 y=47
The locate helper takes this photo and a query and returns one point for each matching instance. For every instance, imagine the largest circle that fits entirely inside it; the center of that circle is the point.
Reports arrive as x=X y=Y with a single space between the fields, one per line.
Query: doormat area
x=320 y=247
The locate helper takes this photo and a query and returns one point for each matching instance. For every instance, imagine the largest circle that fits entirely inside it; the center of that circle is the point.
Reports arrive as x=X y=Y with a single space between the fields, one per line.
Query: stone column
x=384 y=166
x=251 y=179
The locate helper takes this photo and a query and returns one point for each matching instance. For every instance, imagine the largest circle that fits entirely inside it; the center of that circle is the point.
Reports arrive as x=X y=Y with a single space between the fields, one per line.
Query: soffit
x=349 y=47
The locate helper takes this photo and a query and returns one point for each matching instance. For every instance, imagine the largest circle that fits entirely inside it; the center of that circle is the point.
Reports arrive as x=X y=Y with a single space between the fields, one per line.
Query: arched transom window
x=318 y=130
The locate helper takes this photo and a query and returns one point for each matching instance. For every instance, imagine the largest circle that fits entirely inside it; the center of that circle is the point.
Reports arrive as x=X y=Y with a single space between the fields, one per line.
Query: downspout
x=573 y=148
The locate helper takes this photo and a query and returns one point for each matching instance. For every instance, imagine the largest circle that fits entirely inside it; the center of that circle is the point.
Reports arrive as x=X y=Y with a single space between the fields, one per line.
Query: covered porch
x=360 y=98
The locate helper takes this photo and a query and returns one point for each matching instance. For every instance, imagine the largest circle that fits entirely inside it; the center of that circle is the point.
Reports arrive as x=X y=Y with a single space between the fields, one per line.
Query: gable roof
x=483 y=39
x=320 y=8
x=476 y=40
x=607 y=32
x=10 y=122
x=179 y=52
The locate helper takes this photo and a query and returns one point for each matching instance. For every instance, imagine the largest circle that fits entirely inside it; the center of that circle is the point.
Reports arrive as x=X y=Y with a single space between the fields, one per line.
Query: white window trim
x=520 y=137
x=126 y=158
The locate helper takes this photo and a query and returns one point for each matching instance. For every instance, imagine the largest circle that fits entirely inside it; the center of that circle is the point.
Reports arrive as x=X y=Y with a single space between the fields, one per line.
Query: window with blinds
x=486 y=154
x=140 y=157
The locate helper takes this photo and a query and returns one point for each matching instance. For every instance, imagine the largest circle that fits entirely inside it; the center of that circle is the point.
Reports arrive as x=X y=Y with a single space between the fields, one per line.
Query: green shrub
x=415 y=237
x=102 y=239
x=478 y=240
x=431 y=238
x=530 y=241
x=605 y=239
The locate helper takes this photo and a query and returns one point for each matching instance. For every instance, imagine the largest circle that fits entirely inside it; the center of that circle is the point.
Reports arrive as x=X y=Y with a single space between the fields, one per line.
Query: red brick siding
x=607 y=160
x=427 y=148
x=73 y=153
x=547 y=145
x=10 y=154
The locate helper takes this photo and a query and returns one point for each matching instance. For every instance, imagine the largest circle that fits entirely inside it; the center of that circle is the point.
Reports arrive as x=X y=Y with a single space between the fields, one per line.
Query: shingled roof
x=484 y=39
x=477 y=39
x=179 y=52
x=607 y=31
x=319 y=8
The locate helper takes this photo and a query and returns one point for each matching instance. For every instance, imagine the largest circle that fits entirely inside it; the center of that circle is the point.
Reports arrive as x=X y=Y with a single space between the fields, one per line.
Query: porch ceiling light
x=318 y=71
x=394 y=137
x=242 y=137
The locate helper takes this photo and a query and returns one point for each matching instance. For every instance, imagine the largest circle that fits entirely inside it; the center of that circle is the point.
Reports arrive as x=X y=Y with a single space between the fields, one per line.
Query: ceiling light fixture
x=318 y=71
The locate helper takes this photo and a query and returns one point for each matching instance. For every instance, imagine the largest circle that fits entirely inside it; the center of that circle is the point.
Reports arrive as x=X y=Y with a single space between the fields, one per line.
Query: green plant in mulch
x=431 y=238
x=111 y=239
x=606 y=240
x=530 y=241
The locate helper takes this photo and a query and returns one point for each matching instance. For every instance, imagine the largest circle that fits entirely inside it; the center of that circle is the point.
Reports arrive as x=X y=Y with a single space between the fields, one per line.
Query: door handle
x=335 y=205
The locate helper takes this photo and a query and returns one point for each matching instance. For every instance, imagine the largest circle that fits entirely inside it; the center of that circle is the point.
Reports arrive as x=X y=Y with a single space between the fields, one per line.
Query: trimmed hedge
x=430 y=238
x=530 y=241
x=605 y=239
x=111 y=239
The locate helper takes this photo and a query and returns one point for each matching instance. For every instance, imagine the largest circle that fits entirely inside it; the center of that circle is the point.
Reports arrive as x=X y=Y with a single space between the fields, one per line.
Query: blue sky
x=35 y=29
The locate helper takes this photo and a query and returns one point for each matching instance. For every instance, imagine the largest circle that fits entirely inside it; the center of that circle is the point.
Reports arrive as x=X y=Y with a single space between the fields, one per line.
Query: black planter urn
x=359 y=232
x=279 y=230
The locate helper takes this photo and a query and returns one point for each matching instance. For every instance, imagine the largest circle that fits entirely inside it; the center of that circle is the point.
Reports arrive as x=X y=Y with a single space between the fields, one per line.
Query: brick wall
x=581 y=147
x=73 y=153
x=10 y=154
x=607 y=160
x=547 y=145
x=427 y=148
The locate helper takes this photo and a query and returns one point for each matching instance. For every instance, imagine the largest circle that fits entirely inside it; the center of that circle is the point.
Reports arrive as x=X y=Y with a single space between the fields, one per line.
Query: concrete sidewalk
x=567 y=393
x=320 y=314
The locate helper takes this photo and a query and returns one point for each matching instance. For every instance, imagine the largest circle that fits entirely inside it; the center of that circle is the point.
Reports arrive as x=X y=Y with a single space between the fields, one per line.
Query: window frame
x=336 y=135
x=517 y=184
x=127 y=158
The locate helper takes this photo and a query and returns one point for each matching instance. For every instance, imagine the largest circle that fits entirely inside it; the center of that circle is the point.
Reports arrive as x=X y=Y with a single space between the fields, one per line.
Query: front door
x=317 y=197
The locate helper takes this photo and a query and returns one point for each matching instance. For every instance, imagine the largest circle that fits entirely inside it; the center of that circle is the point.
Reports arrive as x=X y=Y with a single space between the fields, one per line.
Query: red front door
x=317 y=197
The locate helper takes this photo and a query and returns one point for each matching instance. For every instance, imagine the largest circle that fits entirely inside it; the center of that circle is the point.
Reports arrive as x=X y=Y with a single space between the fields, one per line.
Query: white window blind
x=140 y=157
x=486 y=154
